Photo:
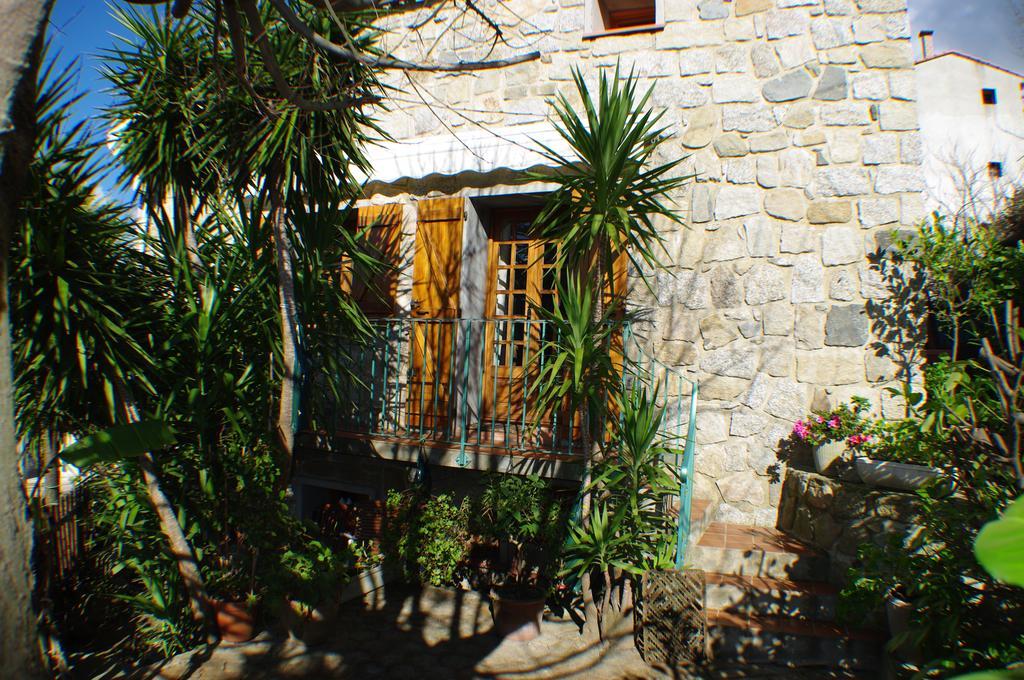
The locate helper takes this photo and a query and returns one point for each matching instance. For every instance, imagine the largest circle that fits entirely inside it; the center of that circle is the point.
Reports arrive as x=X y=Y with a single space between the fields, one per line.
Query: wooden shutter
x=436 y=279
x=437 y=260
x=376 y=292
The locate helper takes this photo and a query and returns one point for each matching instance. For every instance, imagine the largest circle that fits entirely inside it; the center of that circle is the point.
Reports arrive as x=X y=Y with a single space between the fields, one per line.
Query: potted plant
x=235 y=617
x=831 y=433
x=896 y=455
x=523 y=515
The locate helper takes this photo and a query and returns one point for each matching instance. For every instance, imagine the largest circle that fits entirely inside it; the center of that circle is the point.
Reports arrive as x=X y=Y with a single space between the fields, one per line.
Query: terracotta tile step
x=764 y=584
x=739 y=537
x=790 y=626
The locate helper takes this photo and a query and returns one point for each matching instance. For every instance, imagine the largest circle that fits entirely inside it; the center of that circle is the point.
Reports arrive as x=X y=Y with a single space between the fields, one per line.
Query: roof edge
x=964 y=55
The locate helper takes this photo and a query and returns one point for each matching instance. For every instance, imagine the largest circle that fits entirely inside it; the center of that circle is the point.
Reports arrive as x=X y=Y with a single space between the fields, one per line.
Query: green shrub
x=427 y=537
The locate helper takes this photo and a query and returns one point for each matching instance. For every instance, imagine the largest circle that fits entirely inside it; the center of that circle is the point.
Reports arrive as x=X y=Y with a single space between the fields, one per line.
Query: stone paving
x=427 y=634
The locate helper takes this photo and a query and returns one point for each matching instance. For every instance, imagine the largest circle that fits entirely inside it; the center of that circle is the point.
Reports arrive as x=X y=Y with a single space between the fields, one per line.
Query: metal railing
x=470 y=383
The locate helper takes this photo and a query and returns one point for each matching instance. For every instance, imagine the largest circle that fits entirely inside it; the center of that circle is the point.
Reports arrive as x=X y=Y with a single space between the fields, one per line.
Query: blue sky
x=988 y=29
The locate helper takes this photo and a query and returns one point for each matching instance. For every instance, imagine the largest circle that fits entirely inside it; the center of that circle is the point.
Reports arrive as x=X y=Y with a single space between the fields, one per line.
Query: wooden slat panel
x=376 y=294
x=437 y=277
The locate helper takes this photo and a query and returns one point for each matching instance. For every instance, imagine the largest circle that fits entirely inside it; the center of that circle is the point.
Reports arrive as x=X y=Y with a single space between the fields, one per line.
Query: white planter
x=367 y=584
x=826 y=455
x=890 y=475
x=897 y=614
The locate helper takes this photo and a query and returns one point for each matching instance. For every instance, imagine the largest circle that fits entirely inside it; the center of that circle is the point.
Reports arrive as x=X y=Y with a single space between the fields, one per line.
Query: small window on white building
x=988 y=96
x=995 y=170
x=621 y=15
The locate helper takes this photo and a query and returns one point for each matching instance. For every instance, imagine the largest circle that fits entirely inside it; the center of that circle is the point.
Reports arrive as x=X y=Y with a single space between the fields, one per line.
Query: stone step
x=756 y=551
x=793 y=642
x=755 y=595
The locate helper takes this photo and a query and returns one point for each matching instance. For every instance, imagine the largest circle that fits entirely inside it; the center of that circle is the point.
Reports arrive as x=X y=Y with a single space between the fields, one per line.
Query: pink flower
x=819 y=419
x=858 y=439
x=800 y=429
x=834 y=423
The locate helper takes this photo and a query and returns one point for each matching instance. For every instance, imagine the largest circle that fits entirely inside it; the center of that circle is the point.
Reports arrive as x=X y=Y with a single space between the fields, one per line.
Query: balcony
x=460 y=393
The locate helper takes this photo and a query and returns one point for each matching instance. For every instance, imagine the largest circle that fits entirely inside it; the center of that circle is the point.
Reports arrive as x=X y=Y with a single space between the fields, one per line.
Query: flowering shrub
x=845 y=422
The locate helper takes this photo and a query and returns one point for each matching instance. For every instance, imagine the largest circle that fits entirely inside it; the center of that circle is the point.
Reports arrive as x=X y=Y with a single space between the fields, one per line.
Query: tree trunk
x=23 y=24
x=289 y=335
x=181 y=550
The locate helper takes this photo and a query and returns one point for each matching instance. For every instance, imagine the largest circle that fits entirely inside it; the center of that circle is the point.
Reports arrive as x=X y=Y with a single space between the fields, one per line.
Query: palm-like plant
x=579 y=372
x=610 y=193
x=84 y=310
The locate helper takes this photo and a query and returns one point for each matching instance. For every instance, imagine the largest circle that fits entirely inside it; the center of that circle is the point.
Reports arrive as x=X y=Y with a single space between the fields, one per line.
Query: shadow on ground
x=411 y=633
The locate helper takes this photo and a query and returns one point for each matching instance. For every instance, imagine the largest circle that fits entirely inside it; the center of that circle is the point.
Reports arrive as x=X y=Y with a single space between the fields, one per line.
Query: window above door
x=606 y=17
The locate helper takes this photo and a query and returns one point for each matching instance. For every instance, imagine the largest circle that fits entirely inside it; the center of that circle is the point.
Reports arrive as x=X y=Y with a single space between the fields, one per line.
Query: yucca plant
x=85 y=312
x=611 y=194
x=611 y=191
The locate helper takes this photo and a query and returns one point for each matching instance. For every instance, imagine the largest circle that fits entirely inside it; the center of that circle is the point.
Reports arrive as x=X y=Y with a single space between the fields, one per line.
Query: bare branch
x=345 y=54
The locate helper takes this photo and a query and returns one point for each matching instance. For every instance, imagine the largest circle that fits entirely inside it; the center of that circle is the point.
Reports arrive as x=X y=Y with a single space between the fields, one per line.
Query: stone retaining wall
x=797 y=119
x=838 y=517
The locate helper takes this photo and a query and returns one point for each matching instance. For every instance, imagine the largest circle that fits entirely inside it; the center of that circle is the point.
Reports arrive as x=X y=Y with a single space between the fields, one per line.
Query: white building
x=972 y=130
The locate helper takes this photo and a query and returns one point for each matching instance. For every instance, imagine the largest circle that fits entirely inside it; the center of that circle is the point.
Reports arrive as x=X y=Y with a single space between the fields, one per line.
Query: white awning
x=479 y=150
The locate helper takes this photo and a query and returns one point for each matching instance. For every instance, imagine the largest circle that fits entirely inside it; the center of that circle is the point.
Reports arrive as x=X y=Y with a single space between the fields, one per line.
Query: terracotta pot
x=827 y=455
x=890 y=475
x=518 y=620
x=234 y=621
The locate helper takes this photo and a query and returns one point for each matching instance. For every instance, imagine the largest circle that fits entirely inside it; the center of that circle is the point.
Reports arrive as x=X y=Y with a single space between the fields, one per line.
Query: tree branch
x=345 y=54
x=252 y=15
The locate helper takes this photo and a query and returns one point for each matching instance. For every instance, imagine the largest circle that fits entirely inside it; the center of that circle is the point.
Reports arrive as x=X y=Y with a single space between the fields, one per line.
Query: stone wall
x=798 y=121
x=839 y=517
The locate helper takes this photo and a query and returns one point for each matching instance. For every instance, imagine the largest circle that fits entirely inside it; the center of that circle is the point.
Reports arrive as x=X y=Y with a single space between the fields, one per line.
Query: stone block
x=748 y=118
x=761 y=236
x=745 y=7
x=735 y=201
x=700 y=128
x=899 y=179
x=887 y=55
x=731 y=363
x=721 y=388
x=786 y=204
x=731 y=89
x=881 y=149
x=874 y=212
x=743 y=487
x=846 y=326
x=676 y=352
x=768 y=172
x=788 y=87
x=778 y=320
x=786 y=23
x=765 y=283
x=897 y=116
x=772 y=141
x=841 y=245
x=789 y=400
x=843 y=286
x=733 y=58
x=832 y=85
x=808 y=279
x=845 y=114
x=831 y=366
x=746 y=424
x=766 y=64
x=842 y=181
x=796 y=238
x=796 y=168
x=739 y=170
x=712 y=9
x=871 y=85
x=717 y=332
x=809 y=330
x=731 y=146
x=726 y=287
x=702 y=204
x=829 y=212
